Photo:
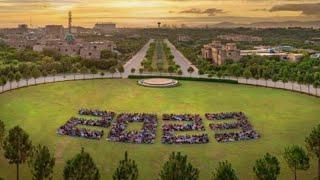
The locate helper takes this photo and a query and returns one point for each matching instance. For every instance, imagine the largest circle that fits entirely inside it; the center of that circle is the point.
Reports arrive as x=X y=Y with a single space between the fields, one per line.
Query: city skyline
x=143 y=13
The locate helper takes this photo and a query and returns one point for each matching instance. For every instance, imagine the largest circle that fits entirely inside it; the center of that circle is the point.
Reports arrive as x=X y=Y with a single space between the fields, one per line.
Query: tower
x=70 y=22
x=159 y=25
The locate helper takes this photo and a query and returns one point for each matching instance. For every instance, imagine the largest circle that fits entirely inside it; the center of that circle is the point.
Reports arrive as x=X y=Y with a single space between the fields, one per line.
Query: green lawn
x=283 y=118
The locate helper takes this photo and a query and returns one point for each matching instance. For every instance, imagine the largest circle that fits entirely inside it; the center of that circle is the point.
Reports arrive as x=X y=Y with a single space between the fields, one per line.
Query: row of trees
x=18 y=149
x=160 y=59
x=33 y=73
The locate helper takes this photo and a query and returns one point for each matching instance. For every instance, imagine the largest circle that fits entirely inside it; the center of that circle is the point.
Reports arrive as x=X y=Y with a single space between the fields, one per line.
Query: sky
x=146 y=13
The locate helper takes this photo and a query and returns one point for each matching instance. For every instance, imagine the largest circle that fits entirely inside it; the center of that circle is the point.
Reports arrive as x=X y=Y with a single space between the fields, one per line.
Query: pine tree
x=224 y=171
x=313 y=145
x=177 y=168
x=41 y=163
x=17 y=147
x=267 y=168
x=127 y=169
x=296 y=158
x=81 y=167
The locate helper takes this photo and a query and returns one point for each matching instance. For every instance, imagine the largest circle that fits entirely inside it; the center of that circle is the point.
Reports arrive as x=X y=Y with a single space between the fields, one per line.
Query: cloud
x=305 y=9
x=209 y=11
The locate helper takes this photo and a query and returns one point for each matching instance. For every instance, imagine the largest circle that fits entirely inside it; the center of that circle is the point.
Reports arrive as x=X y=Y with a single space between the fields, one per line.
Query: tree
x=36 y=73
x=17 y=147
x=127 y=169
x=316 y=83
x=74 y=70
x=44 y=74
x=171 y=69
x=11 y=78
x=112 y=71
x=81 y=167
x=17 y=77
x=41 y=163
x=224 y=171
x=177 y=168
x=133 y=70
x=200 y=72
x=93 y=70
x=247 y=74
x=296 y=158
x=190 y=70
x=83 y=71
x=141 y=70
x=2 y=131
x=121 y=70
x=266 y=75
x=54 y=72
x=3 y=82
x=27 y=74
x=300 y=79
x=313 y=145
x=275 y=78
x=308 y=79
x=267 y=168
x=179 y=72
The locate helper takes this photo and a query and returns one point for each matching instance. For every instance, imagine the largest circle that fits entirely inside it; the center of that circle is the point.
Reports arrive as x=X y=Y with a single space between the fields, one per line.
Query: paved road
x=183 y=62
x=135 y=61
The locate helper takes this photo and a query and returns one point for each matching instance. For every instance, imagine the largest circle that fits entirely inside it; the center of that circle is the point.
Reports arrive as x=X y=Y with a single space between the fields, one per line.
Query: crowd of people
x=71 y=129
x=146 y=135
x=98 y=113
x=194 y=123
x=242 y=123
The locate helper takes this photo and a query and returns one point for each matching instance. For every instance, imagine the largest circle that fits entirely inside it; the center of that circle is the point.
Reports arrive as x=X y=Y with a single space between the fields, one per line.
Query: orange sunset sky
x=144 y=13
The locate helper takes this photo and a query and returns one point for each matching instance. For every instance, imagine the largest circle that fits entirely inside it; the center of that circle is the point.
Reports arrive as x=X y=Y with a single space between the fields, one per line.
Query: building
x=92 y=50
x=273 y=52
x=219 y=53
x=105 y=27
x=313 y=41
x=86 y=50
x=239 y=37
x=54 y=32
x=184 y=38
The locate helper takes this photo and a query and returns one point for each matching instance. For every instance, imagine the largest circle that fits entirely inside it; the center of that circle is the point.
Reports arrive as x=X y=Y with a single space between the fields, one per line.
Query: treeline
x=18 y=149
x=27 y=64
x=305 y=72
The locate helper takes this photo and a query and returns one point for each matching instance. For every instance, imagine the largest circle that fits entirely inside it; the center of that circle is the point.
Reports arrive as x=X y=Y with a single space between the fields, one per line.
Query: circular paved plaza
x=158 y=82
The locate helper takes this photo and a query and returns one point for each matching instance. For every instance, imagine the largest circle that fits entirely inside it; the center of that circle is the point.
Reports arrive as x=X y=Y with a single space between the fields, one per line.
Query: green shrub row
x=185 y=78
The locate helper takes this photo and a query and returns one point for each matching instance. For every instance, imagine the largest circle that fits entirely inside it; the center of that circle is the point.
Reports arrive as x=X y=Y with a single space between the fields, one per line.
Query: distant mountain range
x=284 y=24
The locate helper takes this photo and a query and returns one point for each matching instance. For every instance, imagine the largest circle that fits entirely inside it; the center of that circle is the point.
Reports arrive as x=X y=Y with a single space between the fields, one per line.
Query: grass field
x=281 y=117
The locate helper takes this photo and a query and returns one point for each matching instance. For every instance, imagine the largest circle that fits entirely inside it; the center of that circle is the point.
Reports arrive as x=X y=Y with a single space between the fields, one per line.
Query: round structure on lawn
x=158 y=82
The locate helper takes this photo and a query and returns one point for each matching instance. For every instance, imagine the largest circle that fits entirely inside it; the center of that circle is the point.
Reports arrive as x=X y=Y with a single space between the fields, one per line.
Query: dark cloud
x=305 y=9
x=209 y=11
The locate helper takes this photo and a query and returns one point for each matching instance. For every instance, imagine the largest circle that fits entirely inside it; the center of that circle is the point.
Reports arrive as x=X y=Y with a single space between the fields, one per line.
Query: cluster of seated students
x=192 y=123
x=71 y=129
x=146 y=135
x=246 y=130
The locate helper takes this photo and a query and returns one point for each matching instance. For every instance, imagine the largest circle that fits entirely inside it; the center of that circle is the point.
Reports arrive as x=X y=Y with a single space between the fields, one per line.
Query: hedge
x=185 y=78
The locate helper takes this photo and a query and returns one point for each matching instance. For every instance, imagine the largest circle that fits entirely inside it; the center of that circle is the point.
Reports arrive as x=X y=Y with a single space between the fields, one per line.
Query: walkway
x=183 y=62
x=135 y=61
